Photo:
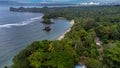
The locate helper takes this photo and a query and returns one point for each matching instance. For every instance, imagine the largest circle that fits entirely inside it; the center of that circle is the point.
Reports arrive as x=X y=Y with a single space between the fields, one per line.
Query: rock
x=47 y=29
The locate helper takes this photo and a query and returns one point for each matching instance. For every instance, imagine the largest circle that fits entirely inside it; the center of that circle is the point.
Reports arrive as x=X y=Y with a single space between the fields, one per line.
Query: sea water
x=19 y=29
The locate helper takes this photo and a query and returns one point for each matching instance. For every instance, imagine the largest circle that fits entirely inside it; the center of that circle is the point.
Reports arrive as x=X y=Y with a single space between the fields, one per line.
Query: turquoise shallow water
x=17 y=30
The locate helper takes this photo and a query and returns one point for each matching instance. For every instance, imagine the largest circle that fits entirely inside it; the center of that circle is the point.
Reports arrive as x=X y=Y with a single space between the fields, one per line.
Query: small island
x=47 y=29
x=47 y=21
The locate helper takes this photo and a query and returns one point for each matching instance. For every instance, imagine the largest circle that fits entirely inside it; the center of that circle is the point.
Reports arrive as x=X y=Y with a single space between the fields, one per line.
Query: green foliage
x=53 y=56
x=5 y=67
x=112 y=55
x=93 y=63
x=47 y=21
x=21 y=61
x=102 y=22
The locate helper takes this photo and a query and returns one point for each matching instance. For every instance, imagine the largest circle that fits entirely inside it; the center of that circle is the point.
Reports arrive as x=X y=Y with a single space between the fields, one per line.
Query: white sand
x=63 y=35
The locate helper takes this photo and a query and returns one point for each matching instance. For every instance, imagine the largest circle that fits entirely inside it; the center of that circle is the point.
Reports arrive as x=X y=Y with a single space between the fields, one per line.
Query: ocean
x=19 y=29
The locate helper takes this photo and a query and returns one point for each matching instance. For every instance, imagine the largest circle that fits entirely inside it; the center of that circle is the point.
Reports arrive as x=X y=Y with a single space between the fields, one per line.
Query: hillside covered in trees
x=93 y=25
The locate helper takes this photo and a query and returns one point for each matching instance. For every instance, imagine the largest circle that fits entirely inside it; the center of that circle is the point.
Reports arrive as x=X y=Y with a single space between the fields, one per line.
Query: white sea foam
x=20 y=24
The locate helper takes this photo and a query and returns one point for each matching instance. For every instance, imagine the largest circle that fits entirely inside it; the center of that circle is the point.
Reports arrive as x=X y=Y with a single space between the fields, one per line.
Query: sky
x=69 y=1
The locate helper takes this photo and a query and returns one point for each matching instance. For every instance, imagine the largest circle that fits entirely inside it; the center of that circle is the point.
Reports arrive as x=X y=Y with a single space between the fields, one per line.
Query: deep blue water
x=17 y=30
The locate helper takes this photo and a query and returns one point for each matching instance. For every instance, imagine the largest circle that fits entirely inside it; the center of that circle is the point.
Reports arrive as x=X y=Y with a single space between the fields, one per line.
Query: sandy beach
x=68 y=30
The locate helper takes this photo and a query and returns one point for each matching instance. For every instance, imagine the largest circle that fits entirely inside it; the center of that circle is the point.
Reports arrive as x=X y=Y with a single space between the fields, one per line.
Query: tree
x=111 y=56
x=5 y=67
x=94 y=63
x=36 y=59
x=88 y=23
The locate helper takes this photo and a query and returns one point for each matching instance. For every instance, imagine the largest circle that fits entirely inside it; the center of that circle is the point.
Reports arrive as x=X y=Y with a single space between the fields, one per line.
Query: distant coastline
x=72 y=22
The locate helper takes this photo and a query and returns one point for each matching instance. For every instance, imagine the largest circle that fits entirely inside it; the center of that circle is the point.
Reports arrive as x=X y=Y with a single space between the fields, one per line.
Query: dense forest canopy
x=93 y=24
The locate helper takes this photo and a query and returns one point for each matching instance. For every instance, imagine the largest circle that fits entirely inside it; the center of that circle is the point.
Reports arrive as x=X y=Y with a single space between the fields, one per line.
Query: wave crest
x=20 y=24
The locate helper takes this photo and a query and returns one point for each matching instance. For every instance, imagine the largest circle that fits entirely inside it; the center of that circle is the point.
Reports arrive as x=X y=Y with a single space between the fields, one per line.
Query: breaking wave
x=21 y=24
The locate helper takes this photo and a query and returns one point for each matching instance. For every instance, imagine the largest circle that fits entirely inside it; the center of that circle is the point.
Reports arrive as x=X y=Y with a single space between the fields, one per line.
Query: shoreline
x=72 y=22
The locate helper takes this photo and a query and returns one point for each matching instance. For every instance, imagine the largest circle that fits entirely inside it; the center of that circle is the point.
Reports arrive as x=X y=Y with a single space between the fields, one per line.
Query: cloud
x=106 y=1
x=90 y=3
x=72 y=1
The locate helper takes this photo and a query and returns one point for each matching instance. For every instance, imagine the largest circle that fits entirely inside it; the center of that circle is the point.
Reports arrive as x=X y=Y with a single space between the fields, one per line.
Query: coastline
x=72 y=22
